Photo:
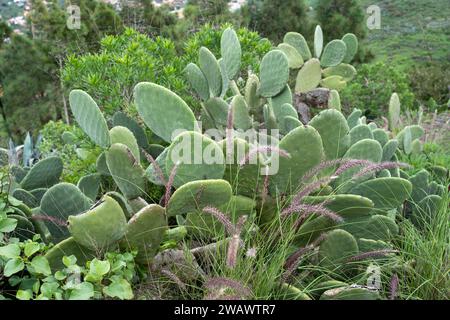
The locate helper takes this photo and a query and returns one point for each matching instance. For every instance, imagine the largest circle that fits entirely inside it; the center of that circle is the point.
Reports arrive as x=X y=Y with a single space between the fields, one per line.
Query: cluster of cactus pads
x=364 y=196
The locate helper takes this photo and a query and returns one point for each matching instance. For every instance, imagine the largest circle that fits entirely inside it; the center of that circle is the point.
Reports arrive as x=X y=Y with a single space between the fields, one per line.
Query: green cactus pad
x=100 y=227
x=145 y=231
x=274 y=73
x=333 y=83
x=43 y=174
x=376 y=227
x=309 y=76
x=394 y=112
x=353 y=119
x=416 y=132
x=67 y=248
x=295 y=59
x=101 y=165
x=416 y=147
x=26 y=197
x=251 y=96
x=244 y=179
x=124 y=136
x=230 y=49
x=298 y=42
x=197 y=80
x=124 y=204
x=241 y=118
x=225 y=81
x=162 y=110
x=24 y=229
x=334 y=53
x=211 y=69
x=384 y=174
x=89 y=117
x=199 y=157
x=334 y=101
x=346 y=71
x=333 y=130
x=270 y=120
x=289 y=123
x=61 y=201
x=386 y=193
x=121 y=119
x=368 y=245
x=195 y=195
x=338 y=246
x=360 y=132
x=350 y=293
x=318 y=41
x=284 y=97
x=286 y=111
x=126 y=172
x=366 y=149
x=238 y=206
x=89 y=185
x=304 y=146
x=351 y=42
x=345 y=205
x=38 y=193
x=389 y=149
x=381 y=136
x=419 y=183
x=152 y=174
x=218 y=110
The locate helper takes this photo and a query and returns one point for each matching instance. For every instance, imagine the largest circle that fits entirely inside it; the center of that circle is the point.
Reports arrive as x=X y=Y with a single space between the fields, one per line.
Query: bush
x=372 y=88
x=79 y=156
x=127 y=59
x=431 y=85
x=124 y=60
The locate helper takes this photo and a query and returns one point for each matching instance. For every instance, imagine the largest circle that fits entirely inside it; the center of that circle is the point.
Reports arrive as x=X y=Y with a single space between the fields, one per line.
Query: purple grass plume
x=172 y=276
x=378 y=167
x=372 y=254
x=56 y=221
x=216 y=283
x=157 y=168
x=223 y=219
x=169 y=184
x=394 y=287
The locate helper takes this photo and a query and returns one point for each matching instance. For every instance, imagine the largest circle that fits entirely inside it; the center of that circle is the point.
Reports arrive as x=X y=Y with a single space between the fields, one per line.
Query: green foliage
x=135 y=57
x=78 y=156
x=28 y=274
x=372 y=88
x=273 y=19
x=336 y=20
x=430 y=85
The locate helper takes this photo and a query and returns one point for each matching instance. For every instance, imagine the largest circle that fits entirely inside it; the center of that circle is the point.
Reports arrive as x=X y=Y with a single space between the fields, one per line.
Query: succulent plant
x=336 y=177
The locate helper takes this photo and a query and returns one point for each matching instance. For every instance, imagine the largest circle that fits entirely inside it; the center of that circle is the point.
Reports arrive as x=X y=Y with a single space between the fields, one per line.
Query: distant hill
x=412 y=31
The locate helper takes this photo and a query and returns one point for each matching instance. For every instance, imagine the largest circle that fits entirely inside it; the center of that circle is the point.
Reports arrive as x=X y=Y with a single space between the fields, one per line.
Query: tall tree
x=273 y=18
x=143 y=16
x=338 y=17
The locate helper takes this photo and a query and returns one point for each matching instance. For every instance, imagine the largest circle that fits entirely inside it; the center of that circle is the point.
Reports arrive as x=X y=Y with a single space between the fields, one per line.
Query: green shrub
x=78 y=157
x=430 y=84
x=124 y=60
x=372 y=88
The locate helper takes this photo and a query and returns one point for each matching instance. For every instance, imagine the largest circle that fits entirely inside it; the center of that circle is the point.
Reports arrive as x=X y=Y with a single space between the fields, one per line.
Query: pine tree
x=338 y=17
x=274 y=18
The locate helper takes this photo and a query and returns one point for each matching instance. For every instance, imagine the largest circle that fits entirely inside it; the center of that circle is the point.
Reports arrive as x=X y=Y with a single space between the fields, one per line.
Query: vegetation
x=168 y=158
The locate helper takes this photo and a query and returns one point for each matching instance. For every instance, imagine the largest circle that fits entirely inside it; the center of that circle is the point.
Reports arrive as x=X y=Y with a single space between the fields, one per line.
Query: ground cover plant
x=271 y=195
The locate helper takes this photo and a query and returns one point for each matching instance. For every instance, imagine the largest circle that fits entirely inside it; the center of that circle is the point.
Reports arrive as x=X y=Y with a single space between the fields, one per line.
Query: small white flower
x=251 y=253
